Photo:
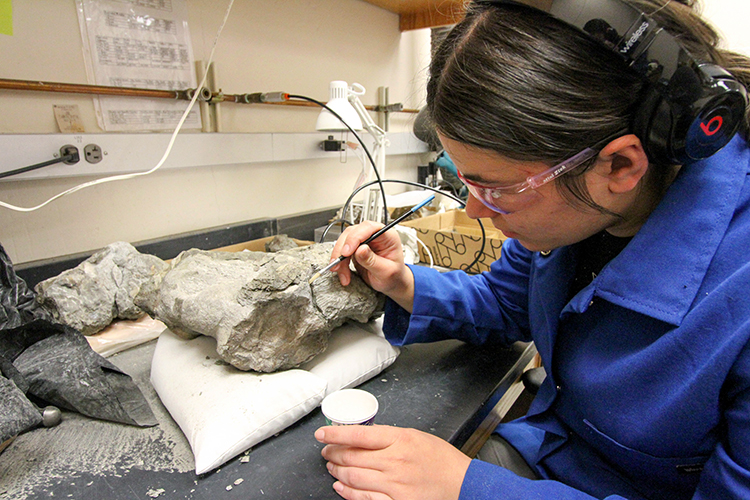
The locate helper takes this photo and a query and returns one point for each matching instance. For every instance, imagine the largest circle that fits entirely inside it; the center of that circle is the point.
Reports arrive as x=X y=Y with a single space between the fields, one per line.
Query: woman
x=626 y=268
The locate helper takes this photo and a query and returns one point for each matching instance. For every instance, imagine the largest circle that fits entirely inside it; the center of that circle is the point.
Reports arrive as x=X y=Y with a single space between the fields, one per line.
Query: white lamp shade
x=339 y=102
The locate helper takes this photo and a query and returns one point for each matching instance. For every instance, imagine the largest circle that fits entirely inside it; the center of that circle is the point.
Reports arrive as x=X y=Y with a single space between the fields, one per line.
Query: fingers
x=347 y=244
x=369 y=437
x=352 y=237
x=357 y=478
x=368 y=263
x=358 y=472
x=381 y=462
x=350 y=493
x=355 y=453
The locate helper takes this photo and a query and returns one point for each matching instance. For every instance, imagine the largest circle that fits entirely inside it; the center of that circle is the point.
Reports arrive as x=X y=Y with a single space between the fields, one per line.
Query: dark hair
x=516 y=81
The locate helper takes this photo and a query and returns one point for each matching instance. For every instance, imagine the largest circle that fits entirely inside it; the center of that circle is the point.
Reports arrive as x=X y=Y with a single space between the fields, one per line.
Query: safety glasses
x=509 y=199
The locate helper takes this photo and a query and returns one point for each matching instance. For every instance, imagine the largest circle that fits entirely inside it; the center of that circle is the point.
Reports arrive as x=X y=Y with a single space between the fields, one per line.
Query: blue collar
x=660 y=271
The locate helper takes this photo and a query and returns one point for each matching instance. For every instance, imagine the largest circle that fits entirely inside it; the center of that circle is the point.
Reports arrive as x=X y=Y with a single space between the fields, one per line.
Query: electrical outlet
x=69 y=150
x=332 y=145
x=93 y=153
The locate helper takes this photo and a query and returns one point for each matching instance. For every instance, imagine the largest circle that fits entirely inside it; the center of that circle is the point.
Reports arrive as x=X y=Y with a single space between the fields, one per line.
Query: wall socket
x=93 y=153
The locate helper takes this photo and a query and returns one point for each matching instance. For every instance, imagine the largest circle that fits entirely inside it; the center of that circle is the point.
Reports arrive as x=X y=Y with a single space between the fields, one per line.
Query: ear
x=624 y=162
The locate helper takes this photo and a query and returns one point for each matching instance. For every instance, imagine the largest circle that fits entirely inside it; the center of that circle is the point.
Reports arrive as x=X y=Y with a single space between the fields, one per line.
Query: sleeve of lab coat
x=485 y=481
x=490 y=307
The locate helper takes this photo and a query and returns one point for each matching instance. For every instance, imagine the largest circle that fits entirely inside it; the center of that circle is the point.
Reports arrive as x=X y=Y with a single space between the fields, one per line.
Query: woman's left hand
x=391 y=463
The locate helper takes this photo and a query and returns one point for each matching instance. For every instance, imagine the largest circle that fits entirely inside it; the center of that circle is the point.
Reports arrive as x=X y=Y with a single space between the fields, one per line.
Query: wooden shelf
x=416 y=14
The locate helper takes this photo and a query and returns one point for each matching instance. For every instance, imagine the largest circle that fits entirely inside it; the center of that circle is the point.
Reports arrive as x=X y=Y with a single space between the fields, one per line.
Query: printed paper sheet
x=140 y=44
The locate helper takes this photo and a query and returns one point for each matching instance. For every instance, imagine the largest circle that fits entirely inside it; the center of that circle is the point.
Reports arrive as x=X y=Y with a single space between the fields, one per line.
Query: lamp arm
x=367 y=122
x=372 y=211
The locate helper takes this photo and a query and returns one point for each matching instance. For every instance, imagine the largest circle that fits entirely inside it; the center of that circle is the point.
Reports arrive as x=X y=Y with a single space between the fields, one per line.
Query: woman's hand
x=391 y=463
x=380 y=263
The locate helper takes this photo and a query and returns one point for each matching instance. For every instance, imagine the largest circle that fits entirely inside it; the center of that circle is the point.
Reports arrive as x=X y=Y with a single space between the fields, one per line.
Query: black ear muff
x=717 y=115
x=692 y=116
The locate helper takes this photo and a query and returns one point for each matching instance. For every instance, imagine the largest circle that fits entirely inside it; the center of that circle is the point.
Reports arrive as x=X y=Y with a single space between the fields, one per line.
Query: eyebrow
x=480 y=180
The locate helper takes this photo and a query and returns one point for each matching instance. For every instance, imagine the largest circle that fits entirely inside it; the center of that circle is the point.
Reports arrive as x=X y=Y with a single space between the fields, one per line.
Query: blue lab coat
x=648 y=386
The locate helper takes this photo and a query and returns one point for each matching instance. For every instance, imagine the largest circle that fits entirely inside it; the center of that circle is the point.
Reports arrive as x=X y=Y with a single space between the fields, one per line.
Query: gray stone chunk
x=280 y=242
x=100 y=289
x=259 y=307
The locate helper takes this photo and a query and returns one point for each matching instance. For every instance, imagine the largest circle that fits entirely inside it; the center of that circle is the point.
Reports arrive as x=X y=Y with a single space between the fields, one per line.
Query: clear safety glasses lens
x=503 y=203
x=509 y=199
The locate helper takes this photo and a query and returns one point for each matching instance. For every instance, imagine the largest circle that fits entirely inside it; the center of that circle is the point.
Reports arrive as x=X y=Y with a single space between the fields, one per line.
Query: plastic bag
x=18 y=306
x=55 y=364
x=18 y=301
x=60 y=368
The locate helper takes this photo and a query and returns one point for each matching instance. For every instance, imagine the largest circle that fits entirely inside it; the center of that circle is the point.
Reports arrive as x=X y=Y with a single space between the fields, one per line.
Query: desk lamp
x=344 y=100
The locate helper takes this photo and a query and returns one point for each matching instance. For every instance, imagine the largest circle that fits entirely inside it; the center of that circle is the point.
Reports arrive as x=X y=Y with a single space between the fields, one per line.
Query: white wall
x=292 y=45
x=732 y=19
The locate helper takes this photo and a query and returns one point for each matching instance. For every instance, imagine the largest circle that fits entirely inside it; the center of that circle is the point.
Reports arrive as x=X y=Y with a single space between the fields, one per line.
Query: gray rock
x=100 y=289
x=280 y=242
x=259 y=307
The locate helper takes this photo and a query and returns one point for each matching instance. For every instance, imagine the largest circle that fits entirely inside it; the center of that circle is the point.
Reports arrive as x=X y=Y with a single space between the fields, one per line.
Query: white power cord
x=410 y=243
x=427 y=251
x=123 y=177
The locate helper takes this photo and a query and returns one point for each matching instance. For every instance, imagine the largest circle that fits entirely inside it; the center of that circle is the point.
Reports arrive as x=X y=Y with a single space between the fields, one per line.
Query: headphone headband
x=692 y=109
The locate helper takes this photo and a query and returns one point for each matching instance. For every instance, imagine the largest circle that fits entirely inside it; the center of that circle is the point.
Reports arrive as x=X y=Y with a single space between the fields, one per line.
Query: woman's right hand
x=380 y=263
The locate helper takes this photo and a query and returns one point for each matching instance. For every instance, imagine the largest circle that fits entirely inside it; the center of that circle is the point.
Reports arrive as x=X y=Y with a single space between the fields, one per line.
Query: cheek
x=476 y=209
x=547 y=224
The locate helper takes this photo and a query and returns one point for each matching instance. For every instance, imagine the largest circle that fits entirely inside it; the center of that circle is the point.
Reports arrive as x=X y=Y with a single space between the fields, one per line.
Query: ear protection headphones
x=692 y=109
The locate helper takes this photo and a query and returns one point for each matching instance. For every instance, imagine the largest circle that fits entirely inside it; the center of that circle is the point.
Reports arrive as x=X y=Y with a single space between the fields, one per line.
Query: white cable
x=427 y=251
x=166 y=153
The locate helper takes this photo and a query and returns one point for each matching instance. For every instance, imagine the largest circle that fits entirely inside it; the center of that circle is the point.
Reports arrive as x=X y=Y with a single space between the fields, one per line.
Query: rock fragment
x=259 y=307
x=100 y=289
x=280 y=242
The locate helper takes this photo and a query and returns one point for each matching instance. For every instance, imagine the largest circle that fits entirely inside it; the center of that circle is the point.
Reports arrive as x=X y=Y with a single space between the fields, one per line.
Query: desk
x=446 y=388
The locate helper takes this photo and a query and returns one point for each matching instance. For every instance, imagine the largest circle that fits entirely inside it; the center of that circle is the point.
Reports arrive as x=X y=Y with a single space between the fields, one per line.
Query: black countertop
x=446 y=388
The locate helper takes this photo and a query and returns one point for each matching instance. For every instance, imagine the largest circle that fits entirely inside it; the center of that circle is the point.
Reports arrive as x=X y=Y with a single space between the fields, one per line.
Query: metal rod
x=75 y=88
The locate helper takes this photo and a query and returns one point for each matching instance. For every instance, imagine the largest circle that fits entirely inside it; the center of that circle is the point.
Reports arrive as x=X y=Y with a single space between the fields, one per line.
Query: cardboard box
x=258 y=245
x=454 y=240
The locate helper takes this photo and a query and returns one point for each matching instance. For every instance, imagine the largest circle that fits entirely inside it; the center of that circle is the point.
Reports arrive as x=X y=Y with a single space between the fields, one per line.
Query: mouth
x=499 y=225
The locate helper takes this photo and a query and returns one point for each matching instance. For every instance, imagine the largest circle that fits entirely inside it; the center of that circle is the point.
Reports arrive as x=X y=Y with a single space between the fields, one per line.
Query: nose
x=477 y=210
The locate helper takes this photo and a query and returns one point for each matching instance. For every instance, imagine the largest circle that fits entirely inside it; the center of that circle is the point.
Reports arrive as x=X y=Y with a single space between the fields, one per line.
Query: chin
x=533 y=247
x=524 y=243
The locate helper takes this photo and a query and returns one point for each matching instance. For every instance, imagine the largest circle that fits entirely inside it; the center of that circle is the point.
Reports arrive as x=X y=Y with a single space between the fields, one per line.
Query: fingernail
x=345 y=250
x=338 y=487
x=320 y=434
x=329 y=466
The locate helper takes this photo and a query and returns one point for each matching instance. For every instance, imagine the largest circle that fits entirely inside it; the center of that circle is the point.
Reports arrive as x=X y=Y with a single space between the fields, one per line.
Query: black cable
x=481 y=249
x=380 y=182
x=410 y=183
x=450 y=186
x=367 y=151
x=69 y=157
x=330 y=225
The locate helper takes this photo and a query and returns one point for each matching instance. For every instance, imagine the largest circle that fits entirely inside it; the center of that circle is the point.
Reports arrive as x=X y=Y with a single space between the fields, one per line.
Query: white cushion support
x=224 y=411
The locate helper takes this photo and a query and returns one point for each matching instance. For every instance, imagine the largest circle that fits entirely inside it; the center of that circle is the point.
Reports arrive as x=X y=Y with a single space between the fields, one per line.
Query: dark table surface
x=446 y=388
